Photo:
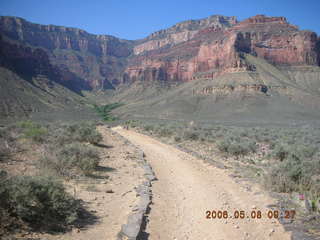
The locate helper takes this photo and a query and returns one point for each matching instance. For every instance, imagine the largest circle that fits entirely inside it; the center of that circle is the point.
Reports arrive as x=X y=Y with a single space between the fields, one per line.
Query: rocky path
x=187 y=188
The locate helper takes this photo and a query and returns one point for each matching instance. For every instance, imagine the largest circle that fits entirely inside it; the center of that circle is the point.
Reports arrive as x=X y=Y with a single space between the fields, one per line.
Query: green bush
x=191 y=135
x=228 y=145
x=223 y=145
x=281 y=151
x=40 y=201
x=33 y=131
x=26 y=124
x=132 y=123
x=164 y=132
x=84 y=132
x=105 y=111
x=37 y=134
x=3 y=133
x=284 y=151
x=88 y=133
x=177 y=139
x=8 y=144
x=297 y=171
x=237 y=149
x=72 y=159
x=148 y=128
x=5 y=153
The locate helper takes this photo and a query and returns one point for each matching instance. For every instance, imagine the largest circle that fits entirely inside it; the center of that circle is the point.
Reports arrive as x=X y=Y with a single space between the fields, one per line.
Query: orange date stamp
x=253 y=214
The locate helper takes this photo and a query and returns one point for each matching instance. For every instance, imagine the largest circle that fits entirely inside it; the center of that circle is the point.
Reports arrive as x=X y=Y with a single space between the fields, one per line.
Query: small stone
x=236 y=226
x=109 y=191
x=271 y=231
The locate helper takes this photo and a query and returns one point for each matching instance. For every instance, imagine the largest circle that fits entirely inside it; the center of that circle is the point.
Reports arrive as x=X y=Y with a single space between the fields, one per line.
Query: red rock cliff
x=189 y=50
x=94 y=58
x=216 y=49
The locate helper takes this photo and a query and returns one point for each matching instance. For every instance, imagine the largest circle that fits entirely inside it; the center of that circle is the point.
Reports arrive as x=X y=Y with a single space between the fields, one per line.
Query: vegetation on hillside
x=39 y=201
x=104 y=111
x=38 y=198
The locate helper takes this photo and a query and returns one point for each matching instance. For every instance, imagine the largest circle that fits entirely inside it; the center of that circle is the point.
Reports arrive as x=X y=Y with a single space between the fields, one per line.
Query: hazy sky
x=133 y=19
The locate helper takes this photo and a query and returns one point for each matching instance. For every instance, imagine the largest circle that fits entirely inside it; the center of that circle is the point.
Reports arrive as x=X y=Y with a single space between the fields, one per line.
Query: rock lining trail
x=188 y=187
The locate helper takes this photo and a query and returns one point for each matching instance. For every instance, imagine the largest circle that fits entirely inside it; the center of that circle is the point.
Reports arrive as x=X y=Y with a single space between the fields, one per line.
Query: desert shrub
x=298 y=171
x=223 y=145
x=59 y=135
x=235 y=147
x=211 y=139
x=132 y=123
x=242 y=148
x=281 y=151
x=177 y=138
x=5 y=153
x=284 y=151
x=203 y=138
x=88 y=133
x=26 y=124
x=306 y=151
x=190 y=135
x=164 y=132
x=72 y=159
x=3 y=133
x=41 y=202
x=83 y=132
x=148 y=128
x=32 y=130
x=294 y=174
x=247 y=132
x=105 y=111
x=8 y=144
x=37 y=134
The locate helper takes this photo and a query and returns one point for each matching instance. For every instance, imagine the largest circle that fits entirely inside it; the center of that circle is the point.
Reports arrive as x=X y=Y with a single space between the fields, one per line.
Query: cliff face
x=275 y=40
x=182 y=32
x=96 y=59
x=29 y=63
x=213 y=49
x=195 y=49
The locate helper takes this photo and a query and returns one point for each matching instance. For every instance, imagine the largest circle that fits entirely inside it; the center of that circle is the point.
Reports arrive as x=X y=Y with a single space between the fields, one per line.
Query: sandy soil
x=188 y=187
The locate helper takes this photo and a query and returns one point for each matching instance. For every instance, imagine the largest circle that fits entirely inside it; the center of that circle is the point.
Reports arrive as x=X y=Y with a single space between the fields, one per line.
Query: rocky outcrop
x=318 y=50
x=97 y=59
x=214 y=50
x=277 y=41
x=182 y=32
x=248 y=89
x=227 y=89
x=190 y=50
x=29 y=63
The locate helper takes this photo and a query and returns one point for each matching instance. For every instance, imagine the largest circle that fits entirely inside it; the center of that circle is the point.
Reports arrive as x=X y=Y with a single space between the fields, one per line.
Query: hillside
x=40 y=100
x=212 y=68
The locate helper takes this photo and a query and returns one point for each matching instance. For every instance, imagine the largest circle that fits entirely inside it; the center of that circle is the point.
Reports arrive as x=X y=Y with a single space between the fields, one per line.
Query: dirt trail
x=188 y=187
